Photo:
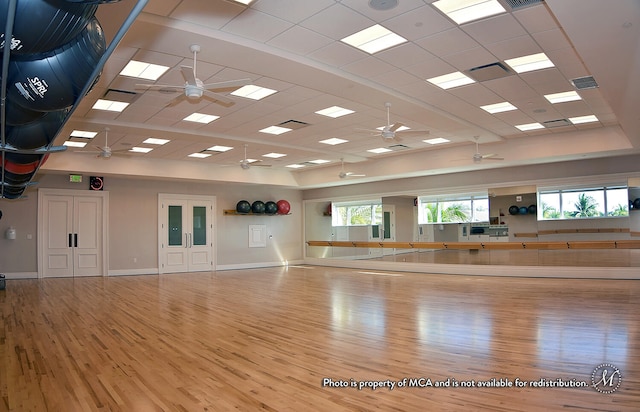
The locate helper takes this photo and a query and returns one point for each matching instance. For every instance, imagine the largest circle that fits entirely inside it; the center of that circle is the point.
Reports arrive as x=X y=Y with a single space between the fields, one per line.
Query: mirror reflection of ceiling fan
x=195 y=89
x=343 y=174
x=478 y=157
x=105 y=152
x=396 y=130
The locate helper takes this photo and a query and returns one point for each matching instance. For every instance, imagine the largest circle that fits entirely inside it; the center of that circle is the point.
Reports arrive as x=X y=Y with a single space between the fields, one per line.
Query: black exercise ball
x=514 y=210
x=258 y=207
x=36 y=134
x=533 y=209
x=243 y=206
x=636 y=203
x=55 y=81
x=44 y=25
x=93 y=1
x=17 y=115
x=271 y=208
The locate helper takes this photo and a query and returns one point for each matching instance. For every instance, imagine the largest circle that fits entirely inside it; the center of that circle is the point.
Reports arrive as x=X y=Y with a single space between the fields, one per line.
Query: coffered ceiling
x=295 y=48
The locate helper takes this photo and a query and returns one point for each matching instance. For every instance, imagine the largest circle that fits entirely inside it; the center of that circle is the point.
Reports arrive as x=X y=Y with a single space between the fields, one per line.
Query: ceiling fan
x=194 y=88
x=394 y=131
x=105 y=152
x=246 y=164
x=343 y=174
x=478 y=157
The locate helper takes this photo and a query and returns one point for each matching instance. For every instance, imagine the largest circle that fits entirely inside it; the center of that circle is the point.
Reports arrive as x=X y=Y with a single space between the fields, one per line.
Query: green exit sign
x=75 y=178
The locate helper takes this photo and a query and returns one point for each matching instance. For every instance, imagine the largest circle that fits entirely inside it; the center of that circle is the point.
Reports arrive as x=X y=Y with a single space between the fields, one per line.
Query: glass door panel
x=199 y=225
x=175 y=226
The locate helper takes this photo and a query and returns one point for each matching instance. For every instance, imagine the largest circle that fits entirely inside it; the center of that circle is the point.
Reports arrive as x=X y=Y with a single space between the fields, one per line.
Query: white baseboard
x=258 y=265
x=20 y=275
x=133 y=272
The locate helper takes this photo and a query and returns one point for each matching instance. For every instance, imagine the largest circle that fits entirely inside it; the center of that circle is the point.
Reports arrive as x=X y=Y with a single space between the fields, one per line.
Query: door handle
x=75 y=240
x=70 y=244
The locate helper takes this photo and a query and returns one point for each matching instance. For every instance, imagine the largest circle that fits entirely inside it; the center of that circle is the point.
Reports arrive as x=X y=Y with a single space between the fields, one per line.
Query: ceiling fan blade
x=413 y=133
x=228 y=86
x=395 y=126
x=218 y=99
x=372 y=132
x=176 y=101
x=188 y=74
x=168 y=88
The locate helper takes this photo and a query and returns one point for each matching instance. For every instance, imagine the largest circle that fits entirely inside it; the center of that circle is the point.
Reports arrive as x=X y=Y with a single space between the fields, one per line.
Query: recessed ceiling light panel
x=253 y=92
x=437 y=140
x=200 y=118
x=529 y=126
x=530 y=63
x=374 y=39
x=448 y=81
x=562 y=97
x=463 y=11
x=333 y=141
x=142 y=70
x=274 y=155
x=275 y=130
x=335 y=111
x=498 y=107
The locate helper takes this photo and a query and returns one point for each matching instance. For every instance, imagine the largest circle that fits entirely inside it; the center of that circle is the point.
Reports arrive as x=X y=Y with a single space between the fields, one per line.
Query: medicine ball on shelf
x=39 y=133
x=533 y=209
x=243 y=206
x=271 y=208
x=44 y=25
x=514 y=210
x=55 y=81
x=258 y=207
x=524 y=210
x=636 y=203
x=283 y=207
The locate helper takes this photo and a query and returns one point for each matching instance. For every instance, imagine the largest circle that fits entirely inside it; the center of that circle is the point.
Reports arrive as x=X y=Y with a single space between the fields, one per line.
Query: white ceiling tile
x=300 y=40
x=404 y=55
x=536 y=18
x=419 y=23
x=552 y=40
x=338 y=54
x=257 y=26
x=368 y=67
x=337 y=22
x=515 y=47
x=207 y=13
x=469 y=59
x=293 y=11
x=494 y=29
x=448 y=42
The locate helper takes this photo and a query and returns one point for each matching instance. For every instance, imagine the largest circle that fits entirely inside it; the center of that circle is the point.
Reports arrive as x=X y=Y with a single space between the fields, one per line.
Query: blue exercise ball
x=258 y=207
x=271 y=208
x=243 y=206
x=56 y=80
x=44 y=25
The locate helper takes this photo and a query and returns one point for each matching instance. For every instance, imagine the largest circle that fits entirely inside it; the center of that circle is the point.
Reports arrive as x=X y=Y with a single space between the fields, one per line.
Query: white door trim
x=42 y=195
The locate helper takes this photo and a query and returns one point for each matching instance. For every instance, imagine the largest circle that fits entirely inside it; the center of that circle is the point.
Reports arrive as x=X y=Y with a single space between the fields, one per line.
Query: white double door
x=71 y=233
x=186 y=233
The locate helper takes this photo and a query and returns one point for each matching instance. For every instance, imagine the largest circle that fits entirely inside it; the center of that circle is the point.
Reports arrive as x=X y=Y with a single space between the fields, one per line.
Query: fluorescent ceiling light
x=71 y=143
x=253 y=92
x=153 y=140
x=143 y=70
x=200 y=155
x=201 y=118
x=319 y=161
x=140 y=149
x=562 y=97
x=333 y=141
x=295 y=166
x=463 y=11
x=380 y=150
x=498 y=107
x=335 y=111
x=110 y=105
x=530 y=63
x=218 y=148
x=437 y=140
x=83 y=134
x=275 y=130
x=530 y=126
x=245 y=2
x=583 y=119
x=274 y=155
x=447 y=81
x=374 y=39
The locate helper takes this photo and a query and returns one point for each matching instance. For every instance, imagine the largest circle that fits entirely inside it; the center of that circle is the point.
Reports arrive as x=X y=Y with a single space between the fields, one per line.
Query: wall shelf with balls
x=48 y=40
x=260 y=208
x=233 y=212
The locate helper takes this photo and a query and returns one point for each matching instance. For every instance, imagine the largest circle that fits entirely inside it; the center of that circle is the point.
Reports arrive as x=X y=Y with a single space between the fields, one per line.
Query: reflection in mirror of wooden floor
x=285 y=339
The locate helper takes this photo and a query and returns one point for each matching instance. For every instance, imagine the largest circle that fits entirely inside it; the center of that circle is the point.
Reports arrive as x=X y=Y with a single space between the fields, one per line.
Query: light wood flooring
x=273 y=339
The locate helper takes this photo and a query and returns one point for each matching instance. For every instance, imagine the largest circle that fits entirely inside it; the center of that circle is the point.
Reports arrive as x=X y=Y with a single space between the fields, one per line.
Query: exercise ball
x=243 y=206
x=21 y=164
x=524 y=210
x=271 y=208
x=18 y=179
x=39 y=133
x=258 y=207
x=636 y=203
x=514 y=210
x=533 y=209
x=55 y=81
x=93 y=1
x=283 y=207
x=18 y=115
x=44 y=25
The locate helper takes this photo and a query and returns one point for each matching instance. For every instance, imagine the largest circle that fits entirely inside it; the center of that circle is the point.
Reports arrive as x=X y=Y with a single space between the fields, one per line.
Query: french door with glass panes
x=186 y=233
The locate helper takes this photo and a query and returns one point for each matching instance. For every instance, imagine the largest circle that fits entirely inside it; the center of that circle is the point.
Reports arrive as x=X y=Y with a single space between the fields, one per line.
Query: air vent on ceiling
x=556 y=123
x=519 y=4
x=583 y=83
x=293 y=124
x=489 y=71
x=120 y=95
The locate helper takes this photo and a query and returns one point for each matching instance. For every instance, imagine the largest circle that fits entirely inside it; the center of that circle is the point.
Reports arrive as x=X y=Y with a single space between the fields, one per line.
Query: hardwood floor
x=282 y=339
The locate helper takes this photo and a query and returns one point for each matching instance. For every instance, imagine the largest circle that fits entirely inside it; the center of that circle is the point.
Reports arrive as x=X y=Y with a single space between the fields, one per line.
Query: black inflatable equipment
x=17 y=115
x=636 y=203
x=258 y=207
x=41 y=26
x=93 y=1
x=514 y=210
x=243 y=206
x=271 y=208
x=38 y=133
x=55 y=81
x=533 y=209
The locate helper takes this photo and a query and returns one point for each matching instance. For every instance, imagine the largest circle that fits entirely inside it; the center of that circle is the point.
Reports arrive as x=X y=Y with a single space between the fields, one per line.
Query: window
x=357 y=213
x=453 y=208
x=579 y=203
